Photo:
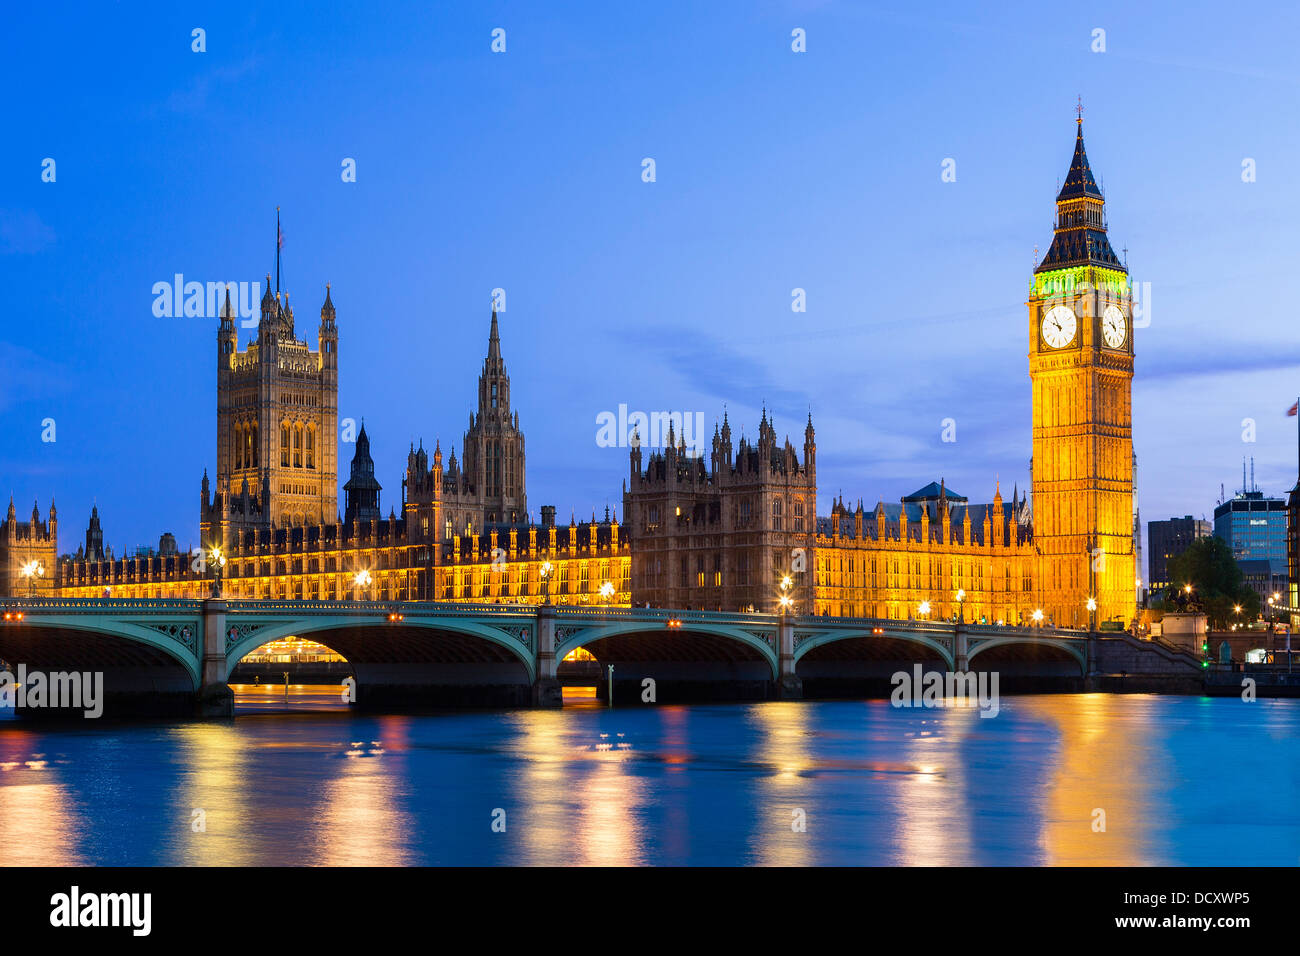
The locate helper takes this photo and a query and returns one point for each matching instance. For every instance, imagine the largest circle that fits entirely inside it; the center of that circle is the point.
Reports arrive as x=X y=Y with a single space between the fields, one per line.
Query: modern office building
x=1254 y=527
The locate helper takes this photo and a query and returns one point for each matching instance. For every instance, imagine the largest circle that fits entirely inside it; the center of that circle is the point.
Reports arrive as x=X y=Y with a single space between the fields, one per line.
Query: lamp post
x=361 y=581
x=923 y=607
x=607 y=592
x=1038 y=616
x=31 y=571
x=961 y=596
x=785 y=602
x=218 y=562
x=1092 y=613
x=545 y=572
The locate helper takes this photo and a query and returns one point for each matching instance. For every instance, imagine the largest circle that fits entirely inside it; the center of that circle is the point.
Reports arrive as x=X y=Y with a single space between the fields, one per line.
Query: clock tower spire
x=1081 y=368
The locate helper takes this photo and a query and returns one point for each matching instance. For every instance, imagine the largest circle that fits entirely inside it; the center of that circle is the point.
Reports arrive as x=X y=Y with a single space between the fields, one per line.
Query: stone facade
x=29 y=553
x=723 y=535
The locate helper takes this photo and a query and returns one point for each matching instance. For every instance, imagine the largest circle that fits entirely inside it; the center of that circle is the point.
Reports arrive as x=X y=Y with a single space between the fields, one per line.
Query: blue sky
x=522 y=170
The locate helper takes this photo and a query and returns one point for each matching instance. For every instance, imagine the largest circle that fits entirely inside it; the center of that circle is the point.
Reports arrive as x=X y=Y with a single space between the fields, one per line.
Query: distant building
x=1262 y=578
x=1168 y=539
x=1254 y=527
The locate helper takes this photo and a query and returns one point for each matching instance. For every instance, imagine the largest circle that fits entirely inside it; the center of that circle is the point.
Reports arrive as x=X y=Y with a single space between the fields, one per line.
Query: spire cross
x=1079 y=109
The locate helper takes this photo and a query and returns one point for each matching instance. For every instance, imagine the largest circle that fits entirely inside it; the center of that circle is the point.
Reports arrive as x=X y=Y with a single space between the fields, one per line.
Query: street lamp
x=545 y=571
x=361 y=579
x=786 y=602
x=1038 y=616
x=31 y=571
x=218 y=562
x=961 y=596
x=607 y=590
x=923 y=607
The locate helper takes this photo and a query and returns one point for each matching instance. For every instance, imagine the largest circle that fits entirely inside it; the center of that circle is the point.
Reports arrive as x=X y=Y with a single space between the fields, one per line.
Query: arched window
x=311 y=448
x=297 y=446
x=284 y=445
x=776 y=514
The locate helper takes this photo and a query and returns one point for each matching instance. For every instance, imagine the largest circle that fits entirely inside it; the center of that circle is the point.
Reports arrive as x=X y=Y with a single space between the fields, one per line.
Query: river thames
x=1180 y=781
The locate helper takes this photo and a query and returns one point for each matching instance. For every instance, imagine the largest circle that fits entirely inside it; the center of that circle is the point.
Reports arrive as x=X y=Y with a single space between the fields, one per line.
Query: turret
x=227 y=335
x=328 y=334
x=810 y=448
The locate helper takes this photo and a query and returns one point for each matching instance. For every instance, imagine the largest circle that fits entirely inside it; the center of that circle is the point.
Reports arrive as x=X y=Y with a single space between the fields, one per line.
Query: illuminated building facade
x=277 y=424
x=723 y=535
x=933 y=556
x=29 y=553
x=1081 y=370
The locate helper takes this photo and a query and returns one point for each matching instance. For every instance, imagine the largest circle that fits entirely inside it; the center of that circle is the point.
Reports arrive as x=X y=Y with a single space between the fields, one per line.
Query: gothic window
x=746 y=511
x=284 y=445
x=776 y=515
x=311 y=448
x=798 y=514
x=297 y=446
x=254 y=444
x=494 y=469
x=494 y=394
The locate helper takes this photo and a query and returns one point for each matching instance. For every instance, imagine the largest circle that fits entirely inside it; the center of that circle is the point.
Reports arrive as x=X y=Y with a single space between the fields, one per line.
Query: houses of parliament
x=742 y=530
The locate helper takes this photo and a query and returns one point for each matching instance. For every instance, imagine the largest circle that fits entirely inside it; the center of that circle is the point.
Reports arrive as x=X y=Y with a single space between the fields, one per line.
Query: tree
x=1218 y=585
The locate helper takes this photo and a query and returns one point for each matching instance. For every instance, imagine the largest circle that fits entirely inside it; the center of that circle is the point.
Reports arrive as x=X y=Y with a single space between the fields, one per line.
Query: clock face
x=1113 y=326
x=1059 y=326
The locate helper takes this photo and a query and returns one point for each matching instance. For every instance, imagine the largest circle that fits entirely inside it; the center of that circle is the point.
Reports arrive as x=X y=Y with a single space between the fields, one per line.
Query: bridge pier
x=546 y=687
x=215 y=699
x=789 y=686
x=960 y=650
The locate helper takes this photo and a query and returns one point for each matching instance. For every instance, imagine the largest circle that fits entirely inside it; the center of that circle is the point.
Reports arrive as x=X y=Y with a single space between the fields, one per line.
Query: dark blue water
x=1180 y=781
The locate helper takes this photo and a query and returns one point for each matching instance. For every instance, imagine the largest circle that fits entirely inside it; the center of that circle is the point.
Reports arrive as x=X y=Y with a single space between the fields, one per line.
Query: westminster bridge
x=176 y=655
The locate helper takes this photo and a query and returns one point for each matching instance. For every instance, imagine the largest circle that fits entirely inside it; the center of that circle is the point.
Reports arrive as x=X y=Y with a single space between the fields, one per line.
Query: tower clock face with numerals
x=1114 y=328
x=1059 y=326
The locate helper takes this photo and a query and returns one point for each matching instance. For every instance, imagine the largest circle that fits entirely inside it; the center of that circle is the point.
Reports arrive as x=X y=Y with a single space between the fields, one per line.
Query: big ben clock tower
x=1081 y=367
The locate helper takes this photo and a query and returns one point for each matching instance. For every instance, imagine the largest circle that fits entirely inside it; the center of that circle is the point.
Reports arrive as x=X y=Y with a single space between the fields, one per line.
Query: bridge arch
x=918 y=638
x=1068 y=647
x=519 y=640
x=97 y=644
x=657 y=633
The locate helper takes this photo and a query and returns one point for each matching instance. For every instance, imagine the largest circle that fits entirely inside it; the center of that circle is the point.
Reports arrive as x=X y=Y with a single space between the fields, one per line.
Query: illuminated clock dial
x=1113 y=326
x=1059 y=326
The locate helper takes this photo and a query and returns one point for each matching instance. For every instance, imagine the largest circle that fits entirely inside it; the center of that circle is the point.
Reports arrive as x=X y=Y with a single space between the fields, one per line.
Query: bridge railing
x=377 y=607
x=104 y=604
x=500 y=609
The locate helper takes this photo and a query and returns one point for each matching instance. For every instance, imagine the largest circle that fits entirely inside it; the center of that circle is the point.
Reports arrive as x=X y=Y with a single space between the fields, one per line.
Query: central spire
x=1079 y=181
x=494 y=339
x=1080 y=233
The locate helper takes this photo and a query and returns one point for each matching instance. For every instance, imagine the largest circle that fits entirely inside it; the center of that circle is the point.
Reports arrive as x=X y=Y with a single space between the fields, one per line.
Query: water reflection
x=39 y=823
x=1181 y=780
x=1104 y=771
